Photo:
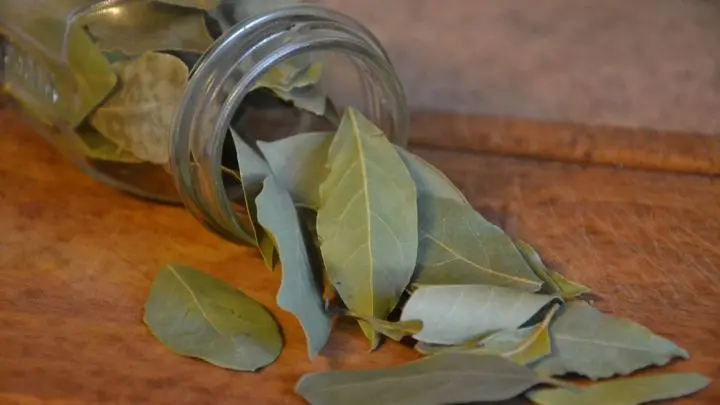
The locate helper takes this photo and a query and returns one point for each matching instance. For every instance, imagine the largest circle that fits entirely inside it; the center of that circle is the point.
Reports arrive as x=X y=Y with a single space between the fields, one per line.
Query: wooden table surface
x=77 y=259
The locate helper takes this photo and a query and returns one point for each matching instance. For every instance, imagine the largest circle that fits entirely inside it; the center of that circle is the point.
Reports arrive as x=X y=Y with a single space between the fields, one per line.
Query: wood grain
x=77 y=259
x=622 y=147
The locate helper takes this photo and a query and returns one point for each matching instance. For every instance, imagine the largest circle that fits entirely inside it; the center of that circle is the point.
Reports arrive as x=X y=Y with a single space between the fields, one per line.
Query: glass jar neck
x=228 y=72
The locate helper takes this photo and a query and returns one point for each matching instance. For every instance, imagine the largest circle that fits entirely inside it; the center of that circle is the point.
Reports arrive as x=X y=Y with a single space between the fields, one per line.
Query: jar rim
x=203 y=119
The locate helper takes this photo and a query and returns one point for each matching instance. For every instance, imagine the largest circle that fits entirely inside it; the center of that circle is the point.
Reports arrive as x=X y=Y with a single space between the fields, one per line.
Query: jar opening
x=224 y=94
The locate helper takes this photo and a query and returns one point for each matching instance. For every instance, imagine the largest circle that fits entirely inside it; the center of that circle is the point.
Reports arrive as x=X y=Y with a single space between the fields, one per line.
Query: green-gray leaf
x=367 y=221
x=442 y=379
x=628 y=391
x=454 y=314
x=199 y=4
x=146 y=26
x=430 y=181
x=96 y=146
x=199 y=316
x=298 y=164
x=523 y=346
x=253 y=171
x=459 y=246
x=139 y=116
x=394 y=330
x=308 y=98
x=590 y=343
x=555 y=283
x=299 y=291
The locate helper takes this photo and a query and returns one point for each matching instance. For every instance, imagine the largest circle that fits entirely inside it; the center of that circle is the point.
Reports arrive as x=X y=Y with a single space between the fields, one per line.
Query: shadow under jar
x=143 y=94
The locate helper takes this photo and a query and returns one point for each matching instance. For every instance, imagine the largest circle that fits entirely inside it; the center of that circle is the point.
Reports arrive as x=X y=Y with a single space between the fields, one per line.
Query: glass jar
x=141 y=94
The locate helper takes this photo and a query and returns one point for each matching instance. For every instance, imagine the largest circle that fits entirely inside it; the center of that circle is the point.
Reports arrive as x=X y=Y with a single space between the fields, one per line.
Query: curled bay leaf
x=393 y=330
x=139 y=115
x=199 y=4
x=308 y=98
x=590 y=343
x=450 y=378
x=141 y=26
x=253 y=170
x=299 y=293
x=430 y=181
x=197 y=315
x=525 y=345
x=467 y=347
x=298 y=164
x=627 y=391
x=454 y=314
x=367 y=221
x=555 y=283
x=459 y=246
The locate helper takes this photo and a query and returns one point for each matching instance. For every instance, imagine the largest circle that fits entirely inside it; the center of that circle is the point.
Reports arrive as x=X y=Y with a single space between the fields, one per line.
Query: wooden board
x=77 y=259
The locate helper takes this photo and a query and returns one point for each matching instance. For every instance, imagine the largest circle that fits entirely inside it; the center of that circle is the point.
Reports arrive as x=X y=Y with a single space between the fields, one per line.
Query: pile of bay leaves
x=368 y=231
x=141 y=53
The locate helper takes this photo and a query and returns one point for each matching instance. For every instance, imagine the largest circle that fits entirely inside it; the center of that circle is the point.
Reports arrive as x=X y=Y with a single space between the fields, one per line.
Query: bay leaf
x=590 y=343
x=626 y=391
x=299 y=293
x=430 y=181
x=308 y=98
x=427 y=349
x=555 y=283
x=253 y=170
x=293 y=73
x=199 y=4
x=197 y=315
x=367 y=221
x=525 y=345
x=394 y=330
x=138 y=27
x=298 y=164
x=96 y=146
x=442 y=379
x=454 y=314
x=139 y=115
x=459 y=246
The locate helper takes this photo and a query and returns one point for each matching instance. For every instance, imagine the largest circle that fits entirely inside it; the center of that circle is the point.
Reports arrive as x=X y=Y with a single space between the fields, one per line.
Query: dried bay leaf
x=139 y=115
x=199 y=4
x=393 y=330
x=147 y=26
x=430 y=181
x=523 y=346
x=299 y=293
x=627 y=391
x=442 y=379
x=308 y=98
x=590 y=343
x=197 y=315
x=454 y=314
x=298 y=164
x=253 y=170
x=555 y=283
x=459 y=246
x=96 y=146
x=367 y=222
